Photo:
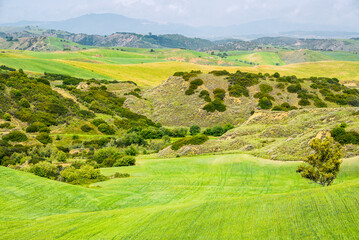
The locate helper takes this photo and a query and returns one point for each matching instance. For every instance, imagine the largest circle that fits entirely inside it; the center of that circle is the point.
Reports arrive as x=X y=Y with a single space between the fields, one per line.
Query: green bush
x=106 y=129
x=7 y=117
x=209 y=107
x=44 y=138
x=131 y=151
x=121 y=175
x=122 y=123
x=5 y=125
x=15 y=136
x=294 y=88
x=219 y=106
x=284 y=107
x=276 y=75
x=97 y=122
x=265 y=88
x=85 y=175
x=238 y=91
x=194 y=130
x=304 y=102
x=219 y=93
x=125 y=161
x=320 y=104
x=220 y=73
x=106 y=157
x=86 y=128
x=197 y=82
x=205 y=95
x=343 y=137
x=35 y=127
x=265 y=103
x=44 y=169
x=24 y=103
x=195 y=140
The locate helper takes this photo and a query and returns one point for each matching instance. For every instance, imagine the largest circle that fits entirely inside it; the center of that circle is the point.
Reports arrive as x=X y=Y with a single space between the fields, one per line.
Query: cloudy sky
x=343 y=13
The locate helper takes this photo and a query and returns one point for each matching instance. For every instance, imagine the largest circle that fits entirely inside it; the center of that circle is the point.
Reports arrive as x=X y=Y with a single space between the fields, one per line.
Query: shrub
x=209 y=107
x=205 y=95
x=86 y=114
x=265 y=103
x=265 y=88
x=320 y=104
x=97 y=122
x=24 y=103
x=280 y=86
x=125 y=161
x=15 y=136
x=44 y=138
x=85 y=175
x=220 y=73
x=197 y=82
x=194 y=130
x=195 y=140
x=276 y=75
x=121 y=175
x=5 y=125
x=7 y=117
x=35 y=127
x=122 y=123
x=44 y=169
x=106 y=157
x=86 y=128
x=284 y=107
x=131 y=138
x=343 y=137
x=106 y=129
x=304 y=102
x=238 y=91
x=219 y=93
x=219 y=106
x=61 y=156
x=131 y=151
x=294 y=88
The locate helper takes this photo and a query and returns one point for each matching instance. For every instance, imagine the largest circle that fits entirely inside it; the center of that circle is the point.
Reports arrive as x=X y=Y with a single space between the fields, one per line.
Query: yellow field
x=148 y=70
x=151 y=74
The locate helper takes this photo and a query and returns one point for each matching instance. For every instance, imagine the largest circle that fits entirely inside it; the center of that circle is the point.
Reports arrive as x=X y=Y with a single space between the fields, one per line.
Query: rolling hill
x=212 y=197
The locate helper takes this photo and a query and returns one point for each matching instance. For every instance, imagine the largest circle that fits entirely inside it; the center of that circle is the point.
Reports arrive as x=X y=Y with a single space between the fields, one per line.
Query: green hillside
x=212 y=197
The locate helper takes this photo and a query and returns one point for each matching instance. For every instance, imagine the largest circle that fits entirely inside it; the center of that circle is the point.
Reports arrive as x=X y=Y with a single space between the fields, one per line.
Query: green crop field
x=151 y=68
x=231 y=196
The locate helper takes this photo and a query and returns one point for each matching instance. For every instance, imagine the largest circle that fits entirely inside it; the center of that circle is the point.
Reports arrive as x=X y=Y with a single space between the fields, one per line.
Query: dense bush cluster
x=217 y=104
x=343 y=137
x=218 y=130
x=187 y=75
x=33 y=100
x=284 y=107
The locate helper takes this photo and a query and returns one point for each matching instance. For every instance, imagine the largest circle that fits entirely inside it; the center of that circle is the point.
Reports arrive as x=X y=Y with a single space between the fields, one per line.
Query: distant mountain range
x=105 y=24
x=37 y=39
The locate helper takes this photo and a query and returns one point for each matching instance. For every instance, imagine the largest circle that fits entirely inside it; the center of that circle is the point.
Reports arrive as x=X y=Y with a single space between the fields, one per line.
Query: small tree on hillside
x=323 y=166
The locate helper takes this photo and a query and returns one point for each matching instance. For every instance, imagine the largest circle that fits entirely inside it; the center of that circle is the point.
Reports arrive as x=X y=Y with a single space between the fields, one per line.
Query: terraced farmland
x=206 y=197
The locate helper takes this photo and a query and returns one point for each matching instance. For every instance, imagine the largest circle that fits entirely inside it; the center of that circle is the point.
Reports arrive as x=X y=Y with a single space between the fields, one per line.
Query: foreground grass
x=205 y=197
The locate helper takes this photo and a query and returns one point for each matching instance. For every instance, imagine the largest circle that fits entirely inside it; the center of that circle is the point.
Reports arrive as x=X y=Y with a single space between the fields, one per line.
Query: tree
x=323 y=166
x=194 y=130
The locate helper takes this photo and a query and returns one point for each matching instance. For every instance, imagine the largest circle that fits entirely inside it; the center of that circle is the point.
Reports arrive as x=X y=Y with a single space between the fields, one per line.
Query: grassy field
x=150 y=68
x=205 y=197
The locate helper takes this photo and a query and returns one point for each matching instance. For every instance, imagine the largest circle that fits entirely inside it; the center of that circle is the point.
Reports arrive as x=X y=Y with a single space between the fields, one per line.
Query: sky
x=343 y=13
